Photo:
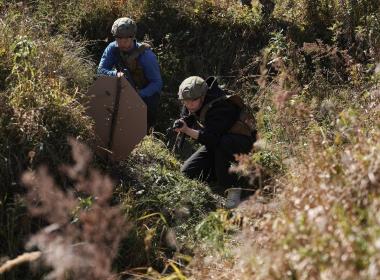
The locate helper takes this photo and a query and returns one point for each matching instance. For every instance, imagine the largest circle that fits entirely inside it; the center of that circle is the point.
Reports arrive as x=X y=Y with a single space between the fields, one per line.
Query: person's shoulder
x=218 y=101
x=112 y=46
x=146 y=48
x=148 y=56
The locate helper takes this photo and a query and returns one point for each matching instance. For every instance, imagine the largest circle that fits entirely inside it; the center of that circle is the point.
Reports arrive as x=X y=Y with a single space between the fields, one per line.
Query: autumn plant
x=84 y=230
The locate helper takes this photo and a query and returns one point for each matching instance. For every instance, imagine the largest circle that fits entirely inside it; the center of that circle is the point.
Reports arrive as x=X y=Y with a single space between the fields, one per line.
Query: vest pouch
x=130 y=62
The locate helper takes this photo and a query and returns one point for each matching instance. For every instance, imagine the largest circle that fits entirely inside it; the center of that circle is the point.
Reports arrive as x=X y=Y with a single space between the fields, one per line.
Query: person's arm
x=219 y=119
x=148 y=61
x=108 y=61
x=193 y=133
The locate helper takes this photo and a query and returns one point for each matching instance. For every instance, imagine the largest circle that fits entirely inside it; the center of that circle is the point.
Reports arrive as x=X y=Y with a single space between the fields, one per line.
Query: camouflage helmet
x=124 y=28
x=192 y=88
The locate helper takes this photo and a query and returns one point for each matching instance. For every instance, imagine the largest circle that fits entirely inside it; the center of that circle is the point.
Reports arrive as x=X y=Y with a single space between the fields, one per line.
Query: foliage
x=42 y=82
x=216 y=230
x=309 y=73
x=318 y=125
x=165 y=205
x=327 y=228
x=79 y=241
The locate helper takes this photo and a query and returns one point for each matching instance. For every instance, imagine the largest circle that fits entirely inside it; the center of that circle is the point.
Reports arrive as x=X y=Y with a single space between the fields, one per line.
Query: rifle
x=179 y=138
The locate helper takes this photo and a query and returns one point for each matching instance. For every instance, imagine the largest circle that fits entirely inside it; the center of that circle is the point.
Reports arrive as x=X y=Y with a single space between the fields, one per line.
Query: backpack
x=245 y=125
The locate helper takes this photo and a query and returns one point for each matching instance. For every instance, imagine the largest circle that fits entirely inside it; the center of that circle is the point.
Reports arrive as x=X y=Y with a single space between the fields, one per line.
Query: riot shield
x=120 y=116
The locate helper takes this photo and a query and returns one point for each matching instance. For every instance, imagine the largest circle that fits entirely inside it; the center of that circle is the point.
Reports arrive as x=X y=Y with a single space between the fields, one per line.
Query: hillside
x=309 y=70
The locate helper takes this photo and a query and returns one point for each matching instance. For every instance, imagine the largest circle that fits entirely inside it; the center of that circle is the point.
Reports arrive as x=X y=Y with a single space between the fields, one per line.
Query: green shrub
x=165 y=206
x=42 y=80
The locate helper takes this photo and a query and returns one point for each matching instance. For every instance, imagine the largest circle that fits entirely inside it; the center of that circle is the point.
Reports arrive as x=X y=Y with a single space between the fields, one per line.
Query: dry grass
x=317 y=159
x=80 y=240
x=26 y=257
x=323 y=220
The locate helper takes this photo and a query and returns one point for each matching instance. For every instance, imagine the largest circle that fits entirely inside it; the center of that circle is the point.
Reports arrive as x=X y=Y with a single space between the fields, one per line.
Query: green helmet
x=124 y=28
x=192 y=88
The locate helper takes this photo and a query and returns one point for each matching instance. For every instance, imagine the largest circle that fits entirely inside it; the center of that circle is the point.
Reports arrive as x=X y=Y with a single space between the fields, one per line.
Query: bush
x=42 y=81
x=165 y=205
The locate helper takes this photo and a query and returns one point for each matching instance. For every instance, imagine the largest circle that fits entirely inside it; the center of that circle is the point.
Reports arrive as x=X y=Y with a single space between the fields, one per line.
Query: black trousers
x=152 y=103
x=246 y=2
x=212 y=163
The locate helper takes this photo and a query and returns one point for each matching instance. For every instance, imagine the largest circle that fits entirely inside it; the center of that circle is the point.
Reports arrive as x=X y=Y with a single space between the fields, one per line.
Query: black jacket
x=219 y=118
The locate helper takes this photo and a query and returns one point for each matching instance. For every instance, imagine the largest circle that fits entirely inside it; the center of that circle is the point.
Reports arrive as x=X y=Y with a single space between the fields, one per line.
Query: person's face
x=124 y=44
x=193 y=105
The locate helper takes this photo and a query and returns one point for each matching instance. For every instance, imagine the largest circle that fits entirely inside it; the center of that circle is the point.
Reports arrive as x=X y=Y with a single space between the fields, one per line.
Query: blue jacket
x=148 y=61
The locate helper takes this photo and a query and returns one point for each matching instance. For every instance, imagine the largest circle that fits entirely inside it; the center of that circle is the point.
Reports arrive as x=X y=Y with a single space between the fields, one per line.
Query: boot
x=233 y=198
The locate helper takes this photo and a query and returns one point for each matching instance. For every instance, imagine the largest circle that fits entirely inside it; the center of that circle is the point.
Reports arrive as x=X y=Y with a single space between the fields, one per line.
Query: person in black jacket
x=218 y=131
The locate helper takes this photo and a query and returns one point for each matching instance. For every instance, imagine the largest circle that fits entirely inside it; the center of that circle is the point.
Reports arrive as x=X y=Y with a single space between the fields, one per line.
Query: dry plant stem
x=26 y=257
x=98 y=229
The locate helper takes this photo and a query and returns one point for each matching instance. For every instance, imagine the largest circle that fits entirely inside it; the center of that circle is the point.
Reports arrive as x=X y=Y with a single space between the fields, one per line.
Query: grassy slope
x=318 y=121
x=325 y=134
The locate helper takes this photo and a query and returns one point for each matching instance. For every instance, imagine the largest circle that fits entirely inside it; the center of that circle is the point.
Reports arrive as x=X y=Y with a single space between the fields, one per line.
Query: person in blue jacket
x=136 y=61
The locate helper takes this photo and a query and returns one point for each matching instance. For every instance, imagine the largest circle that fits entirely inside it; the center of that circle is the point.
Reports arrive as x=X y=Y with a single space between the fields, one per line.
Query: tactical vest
x=245 y=125
x=129 y=61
